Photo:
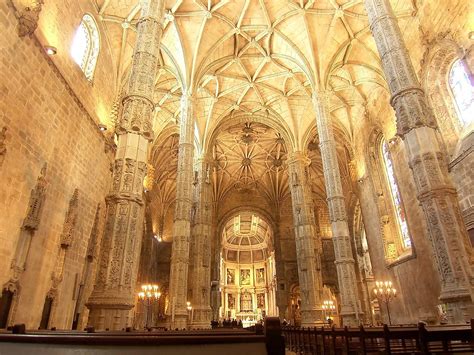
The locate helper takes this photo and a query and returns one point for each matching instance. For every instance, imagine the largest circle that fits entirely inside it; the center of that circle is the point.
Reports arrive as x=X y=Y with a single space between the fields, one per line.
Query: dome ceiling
x=246 y=238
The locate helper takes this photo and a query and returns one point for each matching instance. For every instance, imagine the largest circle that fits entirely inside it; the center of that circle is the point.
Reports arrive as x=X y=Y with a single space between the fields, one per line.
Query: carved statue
x=37 y=196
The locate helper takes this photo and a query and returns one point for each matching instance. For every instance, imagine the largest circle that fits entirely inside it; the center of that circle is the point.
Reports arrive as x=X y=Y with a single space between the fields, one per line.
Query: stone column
x=216 y=294
x=417 y=126
x=182 y=217
x=201 y=233
x=114 y=291
x=281 y=284
x=350 y=304
x=309 y=265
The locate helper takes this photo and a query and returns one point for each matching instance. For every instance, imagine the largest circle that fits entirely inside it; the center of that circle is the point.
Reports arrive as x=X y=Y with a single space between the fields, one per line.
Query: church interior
x=187 y=163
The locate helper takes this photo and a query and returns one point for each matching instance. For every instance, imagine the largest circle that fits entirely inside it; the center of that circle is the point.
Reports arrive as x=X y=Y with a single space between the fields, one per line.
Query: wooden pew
x=196 y=342
x=387 y=340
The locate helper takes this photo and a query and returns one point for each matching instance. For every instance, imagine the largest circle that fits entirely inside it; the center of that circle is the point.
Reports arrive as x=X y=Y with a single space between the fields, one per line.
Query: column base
x=351 y=320
x=312 y=318
x=201 y=318
x=459 y=306
x=180 y=322
x=109 y=317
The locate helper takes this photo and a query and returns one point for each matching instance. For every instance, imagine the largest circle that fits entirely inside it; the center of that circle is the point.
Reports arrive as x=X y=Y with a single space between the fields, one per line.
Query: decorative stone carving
x=35 y=206
x=70 y=221
x=310 y=280
x=337 y=212
x=182 y=217
x=417 y=127
x=113 y=294
x=201 y=234
x=92 y=244
x=3 y=146
x=27 y=13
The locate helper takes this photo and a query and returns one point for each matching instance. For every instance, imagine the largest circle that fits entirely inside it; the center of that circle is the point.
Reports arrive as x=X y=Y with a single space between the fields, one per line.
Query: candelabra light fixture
x=148 y=295
x=328 y=308
x=385 y=293
x=189 y=307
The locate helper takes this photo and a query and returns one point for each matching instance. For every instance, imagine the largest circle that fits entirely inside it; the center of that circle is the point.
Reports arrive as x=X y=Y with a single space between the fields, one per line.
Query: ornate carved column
x=201 y=233
x=346 y=275
x=417 y=126
x=113 y=294
x=182 y=217
x=308 y=254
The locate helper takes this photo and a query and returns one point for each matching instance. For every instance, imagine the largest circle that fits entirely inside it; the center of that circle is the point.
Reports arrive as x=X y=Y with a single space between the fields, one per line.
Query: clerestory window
x=85 y=46
x=463 y=92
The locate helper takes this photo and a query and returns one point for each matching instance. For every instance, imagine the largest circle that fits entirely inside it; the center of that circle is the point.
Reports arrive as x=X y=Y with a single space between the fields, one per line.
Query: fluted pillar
x=308 y=253
x=113 y=294
x=201 y=233
x=182 y=218
x=345 y=265
x=417 y=126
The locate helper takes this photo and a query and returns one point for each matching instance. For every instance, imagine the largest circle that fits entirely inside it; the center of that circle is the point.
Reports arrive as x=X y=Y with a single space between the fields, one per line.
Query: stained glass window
x=463 y=92
x=396 y=198
x=85 y=46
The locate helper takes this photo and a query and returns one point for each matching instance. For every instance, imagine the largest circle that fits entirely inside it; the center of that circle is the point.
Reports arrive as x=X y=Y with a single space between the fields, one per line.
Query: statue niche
x=35 y=206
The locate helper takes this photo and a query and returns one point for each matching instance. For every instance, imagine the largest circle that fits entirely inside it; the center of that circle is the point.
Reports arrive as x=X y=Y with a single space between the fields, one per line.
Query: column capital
x=298 y=157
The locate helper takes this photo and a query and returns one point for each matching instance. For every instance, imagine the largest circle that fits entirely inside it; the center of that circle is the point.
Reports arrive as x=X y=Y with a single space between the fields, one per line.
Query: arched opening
x=248 y=273
x=86 y=45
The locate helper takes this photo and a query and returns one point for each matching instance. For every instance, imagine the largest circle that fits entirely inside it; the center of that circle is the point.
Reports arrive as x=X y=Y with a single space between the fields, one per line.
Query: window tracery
x=462 y=91
x=85 y=46
x=396 y=197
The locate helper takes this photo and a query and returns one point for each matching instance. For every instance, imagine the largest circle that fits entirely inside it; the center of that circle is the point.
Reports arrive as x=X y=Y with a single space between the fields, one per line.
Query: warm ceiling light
x=102 y=127
x=50 y=50
x=471 y=35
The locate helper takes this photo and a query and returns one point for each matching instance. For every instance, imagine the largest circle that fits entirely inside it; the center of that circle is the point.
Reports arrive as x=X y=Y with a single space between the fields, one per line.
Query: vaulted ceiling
x=253 y=66
x=256 y=58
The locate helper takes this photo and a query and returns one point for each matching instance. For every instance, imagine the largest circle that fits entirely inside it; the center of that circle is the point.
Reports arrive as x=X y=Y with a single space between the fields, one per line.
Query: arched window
x=85 y=46
x=463 y=92
x=396 y=198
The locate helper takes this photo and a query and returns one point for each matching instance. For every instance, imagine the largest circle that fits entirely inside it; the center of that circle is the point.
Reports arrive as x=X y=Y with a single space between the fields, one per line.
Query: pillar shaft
x=417 y=126
x=281 y=293
x=308 y=253
x=182 y=218
x=113 y=294
x=201 y=232
x=337 y=212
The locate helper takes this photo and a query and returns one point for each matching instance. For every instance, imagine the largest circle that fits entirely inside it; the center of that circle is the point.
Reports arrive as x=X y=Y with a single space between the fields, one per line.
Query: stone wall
x=46 y=123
